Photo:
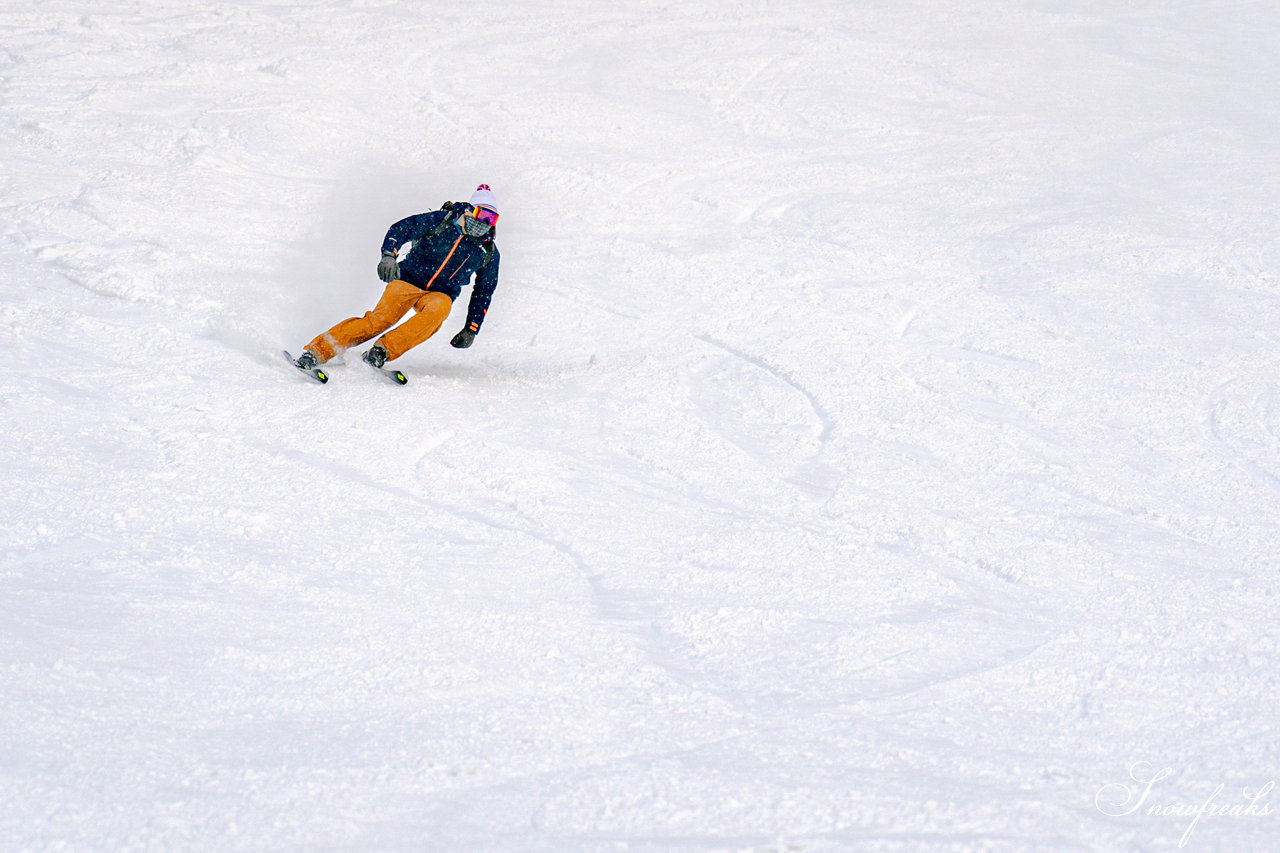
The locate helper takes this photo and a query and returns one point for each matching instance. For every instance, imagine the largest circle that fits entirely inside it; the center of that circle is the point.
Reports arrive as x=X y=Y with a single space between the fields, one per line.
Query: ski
x=315 y=372
x=389 y=373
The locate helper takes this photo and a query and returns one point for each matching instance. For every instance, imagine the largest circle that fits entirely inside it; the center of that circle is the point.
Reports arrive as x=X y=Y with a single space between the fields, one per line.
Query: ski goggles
x=483 y=214
x=477 y=220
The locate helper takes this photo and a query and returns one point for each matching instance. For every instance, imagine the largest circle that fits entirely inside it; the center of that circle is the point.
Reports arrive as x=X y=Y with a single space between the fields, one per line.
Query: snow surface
x=874 y=443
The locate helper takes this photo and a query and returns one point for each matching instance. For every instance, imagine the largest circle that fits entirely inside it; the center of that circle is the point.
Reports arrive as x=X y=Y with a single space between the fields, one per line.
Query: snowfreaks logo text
x=1120 y=799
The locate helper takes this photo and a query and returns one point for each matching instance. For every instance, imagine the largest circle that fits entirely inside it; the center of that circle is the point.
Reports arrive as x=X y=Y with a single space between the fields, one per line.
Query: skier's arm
x=410 y=228
x=481 y=295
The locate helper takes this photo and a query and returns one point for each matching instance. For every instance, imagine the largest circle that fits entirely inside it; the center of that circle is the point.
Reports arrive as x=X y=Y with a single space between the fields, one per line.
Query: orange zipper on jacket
x=436 y=274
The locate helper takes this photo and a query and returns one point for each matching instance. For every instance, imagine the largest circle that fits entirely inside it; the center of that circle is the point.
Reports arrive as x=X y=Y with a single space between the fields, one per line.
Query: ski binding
x=315 y=373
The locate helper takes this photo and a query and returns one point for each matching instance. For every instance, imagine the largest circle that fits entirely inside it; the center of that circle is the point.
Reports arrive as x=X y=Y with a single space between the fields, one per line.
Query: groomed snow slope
x=874 y=443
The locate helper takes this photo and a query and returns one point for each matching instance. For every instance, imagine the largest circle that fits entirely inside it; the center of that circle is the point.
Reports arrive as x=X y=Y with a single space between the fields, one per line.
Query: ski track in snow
x=873 y=445
x=1244 y=425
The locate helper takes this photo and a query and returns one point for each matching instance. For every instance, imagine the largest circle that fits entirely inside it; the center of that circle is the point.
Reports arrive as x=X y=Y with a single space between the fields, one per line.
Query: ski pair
x=320 y=375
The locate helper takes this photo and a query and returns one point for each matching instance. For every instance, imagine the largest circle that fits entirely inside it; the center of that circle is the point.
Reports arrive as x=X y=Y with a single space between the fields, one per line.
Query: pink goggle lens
x=485 y=215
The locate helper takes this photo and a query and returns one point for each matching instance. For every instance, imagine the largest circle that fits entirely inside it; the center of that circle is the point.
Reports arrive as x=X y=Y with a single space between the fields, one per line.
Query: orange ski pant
x=398 y=297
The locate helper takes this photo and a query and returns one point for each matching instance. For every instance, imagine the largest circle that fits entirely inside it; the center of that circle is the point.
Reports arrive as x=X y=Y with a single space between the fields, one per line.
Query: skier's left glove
x=463 y=339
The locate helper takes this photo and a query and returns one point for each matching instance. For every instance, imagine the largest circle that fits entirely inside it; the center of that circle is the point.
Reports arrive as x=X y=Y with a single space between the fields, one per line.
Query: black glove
x=388 y=269
x=463 y=339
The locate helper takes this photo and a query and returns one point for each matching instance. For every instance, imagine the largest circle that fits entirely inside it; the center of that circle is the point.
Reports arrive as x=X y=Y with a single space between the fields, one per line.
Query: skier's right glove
x=463 y=339
x=388 y=269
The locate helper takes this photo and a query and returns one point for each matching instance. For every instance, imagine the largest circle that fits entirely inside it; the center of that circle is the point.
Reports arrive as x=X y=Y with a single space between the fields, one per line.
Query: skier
x=449 y=246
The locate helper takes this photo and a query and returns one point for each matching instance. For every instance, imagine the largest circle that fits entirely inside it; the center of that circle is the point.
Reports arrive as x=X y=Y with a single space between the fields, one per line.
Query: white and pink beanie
x=484 y=197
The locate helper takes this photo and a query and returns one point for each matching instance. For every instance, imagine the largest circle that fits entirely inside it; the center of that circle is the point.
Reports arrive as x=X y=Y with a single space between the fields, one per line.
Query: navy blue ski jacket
x=446 y=261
